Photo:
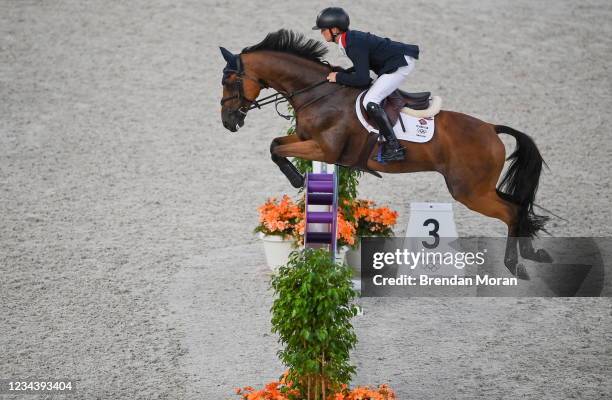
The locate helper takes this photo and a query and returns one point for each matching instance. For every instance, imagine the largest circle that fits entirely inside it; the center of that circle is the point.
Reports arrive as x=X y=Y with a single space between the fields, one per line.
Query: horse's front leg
x=286 y=167
x=307 y=149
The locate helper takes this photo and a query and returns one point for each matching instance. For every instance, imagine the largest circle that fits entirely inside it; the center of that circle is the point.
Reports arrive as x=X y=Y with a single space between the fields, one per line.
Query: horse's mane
x=291 y=42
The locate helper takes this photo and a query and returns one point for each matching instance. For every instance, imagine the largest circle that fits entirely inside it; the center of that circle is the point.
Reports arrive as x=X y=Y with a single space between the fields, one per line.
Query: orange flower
x=278 y=217
x=365 y=393
x=370 y=219
x=272 y=391
x=299 y=229
x=301 y=226
x=346 y=231
x=286 y=218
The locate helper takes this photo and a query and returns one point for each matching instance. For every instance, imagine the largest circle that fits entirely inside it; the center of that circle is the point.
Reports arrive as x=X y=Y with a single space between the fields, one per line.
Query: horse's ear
x=227 y=55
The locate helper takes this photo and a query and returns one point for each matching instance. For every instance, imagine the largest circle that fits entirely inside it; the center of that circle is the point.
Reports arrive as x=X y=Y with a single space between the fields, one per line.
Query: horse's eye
x=225 y=78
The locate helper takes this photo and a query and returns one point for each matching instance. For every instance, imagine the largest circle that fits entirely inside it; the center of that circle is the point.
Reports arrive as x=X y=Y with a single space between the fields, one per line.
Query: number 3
x=433 y=233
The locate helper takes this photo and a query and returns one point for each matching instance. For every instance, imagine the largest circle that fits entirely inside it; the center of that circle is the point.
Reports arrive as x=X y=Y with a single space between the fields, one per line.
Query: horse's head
x=239 y=91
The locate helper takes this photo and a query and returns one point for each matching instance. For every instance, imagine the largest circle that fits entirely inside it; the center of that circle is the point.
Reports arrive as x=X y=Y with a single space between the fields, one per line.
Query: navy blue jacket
x=371 y=52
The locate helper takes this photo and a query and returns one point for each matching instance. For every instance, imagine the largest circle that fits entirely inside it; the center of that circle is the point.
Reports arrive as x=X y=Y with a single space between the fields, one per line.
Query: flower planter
x=353 y=259
x=277 y=250
x=341 y=254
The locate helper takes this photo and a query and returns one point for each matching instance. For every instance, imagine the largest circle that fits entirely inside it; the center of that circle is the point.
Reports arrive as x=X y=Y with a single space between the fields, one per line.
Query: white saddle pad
x=419 y=130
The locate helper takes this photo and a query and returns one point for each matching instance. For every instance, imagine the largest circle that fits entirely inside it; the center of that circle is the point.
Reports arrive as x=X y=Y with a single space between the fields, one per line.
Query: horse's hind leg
x=492 y=205
x=287 y=168
x=525 y=243
x=530 y=253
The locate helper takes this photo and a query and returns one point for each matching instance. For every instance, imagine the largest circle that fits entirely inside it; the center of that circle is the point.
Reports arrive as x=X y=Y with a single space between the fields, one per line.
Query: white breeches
x=385 y=84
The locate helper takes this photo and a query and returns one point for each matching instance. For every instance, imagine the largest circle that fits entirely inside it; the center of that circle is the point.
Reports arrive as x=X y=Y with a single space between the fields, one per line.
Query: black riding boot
x=392 y=150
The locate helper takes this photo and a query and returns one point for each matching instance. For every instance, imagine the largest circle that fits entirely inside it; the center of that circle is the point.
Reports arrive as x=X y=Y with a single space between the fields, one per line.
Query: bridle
x=276 y=98
x=240 y=76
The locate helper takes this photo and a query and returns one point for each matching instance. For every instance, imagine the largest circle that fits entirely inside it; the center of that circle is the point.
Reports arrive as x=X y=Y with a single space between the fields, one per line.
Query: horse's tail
x=520 y=183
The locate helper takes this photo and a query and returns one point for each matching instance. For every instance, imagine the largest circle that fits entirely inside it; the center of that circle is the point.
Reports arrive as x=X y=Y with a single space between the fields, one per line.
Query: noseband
x=276 y=98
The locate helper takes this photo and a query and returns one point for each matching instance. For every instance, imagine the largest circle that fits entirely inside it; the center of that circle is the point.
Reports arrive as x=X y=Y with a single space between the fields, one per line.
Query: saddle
x=396 y=101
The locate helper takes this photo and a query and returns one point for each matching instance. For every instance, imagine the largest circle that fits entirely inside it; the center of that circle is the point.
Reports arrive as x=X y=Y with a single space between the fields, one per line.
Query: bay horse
x=465 y=150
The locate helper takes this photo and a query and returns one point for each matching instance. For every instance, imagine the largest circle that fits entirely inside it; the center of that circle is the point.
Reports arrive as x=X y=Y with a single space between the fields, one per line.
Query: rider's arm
x=361 y=65
x=337 y=68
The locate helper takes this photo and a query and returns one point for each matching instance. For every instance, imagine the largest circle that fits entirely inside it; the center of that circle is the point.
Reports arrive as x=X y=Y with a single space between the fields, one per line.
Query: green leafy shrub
x=312 y=315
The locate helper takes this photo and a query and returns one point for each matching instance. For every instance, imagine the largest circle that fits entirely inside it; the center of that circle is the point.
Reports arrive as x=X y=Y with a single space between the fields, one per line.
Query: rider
x=391 y=61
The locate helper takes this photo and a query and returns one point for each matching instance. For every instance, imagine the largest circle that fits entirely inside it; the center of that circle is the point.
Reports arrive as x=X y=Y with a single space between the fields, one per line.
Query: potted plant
x=278 y=220
x=312 y=314
x=369 y=220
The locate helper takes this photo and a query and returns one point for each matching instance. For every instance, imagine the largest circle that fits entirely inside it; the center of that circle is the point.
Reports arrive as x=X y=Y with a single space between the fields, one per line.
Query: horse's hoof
x=539 y=255
x=543 y=256
x=521 y=272
x=516 y=269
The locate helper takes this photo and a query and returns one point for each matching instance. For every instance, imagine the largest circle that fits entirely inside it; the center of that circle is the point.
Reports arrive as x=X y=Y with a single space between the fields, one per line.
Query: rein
x=276 y=98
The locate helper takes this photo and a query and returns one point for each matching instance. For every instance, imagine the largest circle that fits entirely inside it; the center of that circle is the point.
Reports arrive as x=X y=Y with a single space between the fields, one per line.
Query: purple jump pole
x=322 y=190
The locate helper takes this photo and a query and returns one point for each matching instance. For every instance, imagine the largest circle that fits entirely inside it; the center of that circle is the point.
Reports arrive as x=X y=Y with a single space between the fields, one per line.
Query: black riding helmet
x=332 y=17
